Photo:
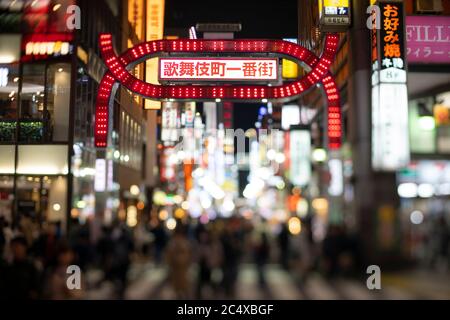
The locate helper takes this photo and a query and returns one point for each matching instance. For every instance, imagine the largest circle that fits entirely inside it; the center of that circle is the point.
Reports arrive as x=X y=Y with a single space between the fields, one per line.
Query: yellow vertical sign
x=136 y=17
x=155 y=31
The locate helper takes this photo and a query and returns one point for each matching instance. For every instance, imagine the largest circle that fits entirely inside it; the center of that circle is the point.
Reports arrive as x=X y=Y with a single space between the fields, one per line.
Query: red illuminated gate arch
x=118 y=74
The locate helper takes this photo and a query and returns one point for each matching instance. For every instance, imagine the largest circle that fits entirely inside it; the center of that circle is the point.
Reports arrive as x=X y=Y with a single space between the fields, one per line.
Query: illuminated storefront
x=35 y=93
x=373 y=170
x=47 y=87
x=423 y=186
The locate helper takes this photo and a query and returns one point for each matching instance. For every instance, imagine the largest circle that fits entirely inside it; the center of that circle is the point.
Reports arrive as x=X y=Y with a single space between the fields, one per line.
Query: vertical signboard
x=155 y=31
x=390 y=140
x=189 y=113
x=169 y=129
x=4 y=77
x=300 y=156
x=392 y=42
x=100 y=175
x=227 y=115
x=135 y=17
x=188 y=132
x=168 y=162
x=334 y=15
x=336 y=187
x=290 y=116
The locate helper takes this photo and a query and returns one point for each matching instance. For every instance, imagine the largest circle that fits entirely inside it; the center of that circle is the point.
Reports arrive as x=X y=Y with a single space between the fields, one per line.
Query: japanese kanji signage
x=260 y=72
x=334 y=15
x=390 y=139
x=224 y=69
x=155 y=31
x=389 y=58
x=300 y=150
x=428 y=39
x=169 y=131
x=189 y=114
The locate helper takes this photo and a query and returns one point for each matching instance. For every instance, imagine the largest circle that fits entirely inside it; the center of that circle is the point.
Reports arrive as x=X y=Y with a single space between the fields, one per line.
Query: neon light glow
x=118 y=73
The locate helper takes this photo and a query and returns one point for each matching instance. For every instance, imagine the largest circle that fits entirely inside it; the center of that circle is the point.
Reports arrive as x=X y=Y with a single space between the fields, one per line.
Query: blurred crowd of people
x=218 y=250
x=202 y=260
x=34 y=258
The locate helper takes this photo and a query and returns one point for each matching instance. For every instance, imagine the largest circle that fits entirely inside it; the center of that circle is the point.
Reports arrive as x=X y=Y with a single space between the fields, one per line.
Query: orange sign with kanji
x=391 y=41
x=222 y=69
x=388 y=45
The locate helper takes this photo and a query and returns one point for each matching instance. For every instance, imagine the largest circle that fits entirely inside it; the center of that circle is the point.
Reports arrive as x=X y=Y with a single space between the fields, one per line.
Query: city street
x=224 y=150
x=150 y=282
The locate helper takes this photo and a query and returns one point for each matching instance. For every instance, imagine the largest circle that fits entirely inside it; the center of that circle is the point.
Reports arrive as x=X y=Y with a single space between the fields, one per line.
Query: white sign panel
x=393 y=71
x=4 y=77
x=290 y=116
x=110 y=176
x=169 y=131
x=189 y=110
x=336 y=187
x=390 y=140
x=224 y=69
x=300 y=154
x=100 y=175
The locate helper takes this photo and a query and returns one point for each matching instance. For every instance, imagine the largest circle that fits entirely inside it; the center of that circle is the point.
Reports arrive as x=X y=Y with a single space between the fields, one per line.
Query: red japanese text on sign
x=229 y=69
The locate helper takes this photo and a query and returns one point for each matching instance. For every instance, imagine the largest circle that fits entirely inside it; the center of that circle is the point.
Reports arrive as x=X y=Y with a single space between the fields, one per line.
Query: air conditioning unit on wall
x=429 y=6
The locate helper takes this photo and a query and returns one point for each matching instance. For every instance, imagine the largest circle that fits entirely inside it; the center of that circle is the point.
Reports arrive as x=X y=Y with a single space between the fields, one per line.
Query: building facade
x=399 y=208
x=50 y=65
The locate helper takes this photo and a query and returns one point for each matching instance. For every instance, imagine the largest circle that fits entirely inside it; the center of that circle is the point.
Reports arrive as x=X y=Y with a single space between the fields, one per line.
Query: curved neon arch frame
x=118 y=74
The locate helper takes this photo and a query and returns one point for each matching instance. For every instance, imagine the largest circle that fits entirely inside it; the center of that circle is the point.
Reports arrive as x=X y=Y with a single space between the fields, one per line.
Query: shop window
x=429 y=121
x=9 y=47
x=42 y=197
x=441 y=112
x=422 y=137
x=32 y=103
x=28 y=197
x=32 y=94
x=45 y=103
x=9 y=87
x=42 y=159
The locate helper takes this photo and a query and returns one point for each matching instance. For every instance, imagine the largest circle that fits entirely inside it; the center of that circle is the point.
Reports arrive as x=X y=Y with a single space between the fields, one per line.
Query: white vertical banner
x=336 y=187
x=290 y=116
x=188 y=131
x=390 y=132
x=390 y=135
x=300 y=153
x=100 y=175
x=4 y=77
x=169 y=132
x=189 y=111
x=210 y=111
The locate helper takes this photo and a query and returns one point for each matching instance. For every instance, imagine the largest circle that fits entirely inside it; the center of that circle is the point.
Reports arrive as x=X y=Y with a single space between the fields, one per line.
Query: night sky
x=259 y=19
